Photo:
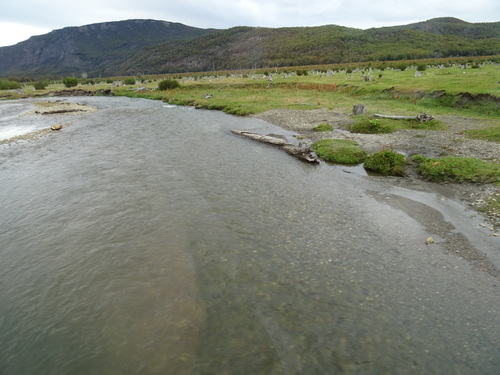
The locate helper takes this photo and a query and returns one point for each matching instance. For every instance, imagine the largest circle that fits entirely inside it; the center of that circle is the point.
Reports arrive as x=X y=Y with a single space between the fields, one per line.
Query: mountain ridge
x=139 y=46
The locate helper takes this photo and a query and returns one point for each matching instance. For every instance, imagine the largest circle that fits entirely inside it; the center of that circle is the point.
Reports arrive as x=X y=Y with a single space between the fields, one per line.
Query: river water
x=148 y=239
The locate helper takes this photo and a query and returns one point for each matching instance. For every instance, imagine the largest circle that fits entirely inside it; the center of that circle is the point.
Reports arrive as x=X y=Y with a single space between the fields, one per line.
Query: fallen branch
x=422 y=118
x=302 y=153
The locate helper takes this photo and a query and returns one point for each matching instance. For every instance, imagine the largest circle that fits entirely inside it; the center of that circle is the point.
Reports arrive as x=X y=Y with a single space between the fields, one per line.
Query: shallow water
x=146 y=238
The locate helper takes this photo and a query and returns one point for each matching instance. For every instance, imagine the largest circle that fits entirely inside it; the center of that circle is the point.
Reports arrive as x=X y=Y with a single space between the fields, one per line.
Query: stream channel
x=145 y=238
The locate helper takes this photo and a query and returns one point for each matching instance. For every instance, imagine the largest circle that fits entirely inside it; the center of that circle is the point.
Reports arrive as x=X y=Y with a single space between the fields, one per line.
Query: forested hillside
x=89 y=49
x=247 y=47
x=110 y=52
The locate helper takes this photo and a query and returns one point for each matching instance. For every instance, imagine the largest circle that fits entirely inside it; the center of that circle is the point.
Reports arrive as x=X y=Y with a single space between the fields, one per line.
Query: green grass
x=340 y=151
x=323 y=128
x=393 y=93
x=367 y=125
x=372 y=126
x=456 y=169
x=397 y=92
x=489 y=134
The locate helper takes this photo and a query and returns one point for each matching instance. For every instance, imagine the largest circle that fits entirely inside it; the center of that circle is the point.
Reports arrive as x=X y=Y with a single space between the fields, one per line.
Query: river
x=145 y=238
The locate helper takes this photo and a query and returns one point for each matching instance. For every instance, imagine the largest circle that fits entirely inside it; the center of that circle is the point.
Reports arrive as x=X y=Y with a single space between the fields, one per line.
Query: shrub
x=129 y=81
x=341 y=151
x=70 y=82
x=401 y=66
x=421 y=67
x=386 y=162
x=40 y=85
x=168 y=84
x=6 y=84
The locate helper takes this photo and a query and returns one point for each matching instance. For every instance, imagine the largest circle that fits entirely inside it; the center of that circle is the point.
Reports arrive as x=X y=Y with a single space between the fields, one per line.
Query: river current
x=146 y=238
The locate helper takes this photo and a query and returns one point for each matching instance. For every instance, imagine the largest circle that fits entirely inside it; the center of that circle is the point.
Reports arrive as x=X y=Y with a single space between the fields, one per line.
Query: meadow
x=408 y=91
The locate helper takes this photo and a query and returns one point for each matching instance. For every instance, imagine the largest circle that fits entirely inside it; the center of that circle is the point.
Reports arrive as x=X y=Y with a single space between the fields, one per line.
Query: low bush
x=6 y=84
x=456 y=169
x=168 y=84
x=40 y=85
x=70 y=82
x=129 y=81
x=386 y=162
x=340 y=151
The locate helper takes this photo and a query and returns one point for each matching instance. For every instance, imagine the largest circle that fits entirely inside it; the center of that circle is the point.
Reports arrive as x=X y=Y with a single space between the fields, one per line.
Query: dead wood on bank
x=302 y=153
x=422 y=118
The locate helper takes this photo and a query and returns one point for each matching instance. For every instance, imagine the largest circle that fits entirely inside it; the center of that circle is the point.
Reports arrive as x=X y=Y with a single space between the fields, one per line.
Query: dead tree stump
x=358 y=109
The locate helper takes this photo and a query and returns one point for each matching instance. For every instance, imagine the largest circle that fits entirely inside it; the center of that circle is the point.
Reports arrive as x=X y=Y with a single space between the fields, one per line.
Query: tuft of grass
x=324 y=127
x=340 y=151
x=456 y=169
x=386 y=162
x=491 y=205
x=426 y=125
x=489 y=134
x=379 y=126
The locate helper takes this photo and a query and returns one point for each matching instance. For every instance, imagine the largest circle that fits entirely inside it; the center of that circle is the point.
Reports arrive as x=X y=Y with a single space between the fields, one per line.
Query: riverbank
x=49 y=108
x=430 y=143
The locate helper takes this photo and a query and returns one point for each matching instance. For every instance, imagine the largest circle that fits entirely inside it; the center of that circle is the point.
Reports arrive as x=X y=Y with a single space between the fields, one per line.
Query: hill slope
x=152 y=47
x=249 y=47
x=90 y=48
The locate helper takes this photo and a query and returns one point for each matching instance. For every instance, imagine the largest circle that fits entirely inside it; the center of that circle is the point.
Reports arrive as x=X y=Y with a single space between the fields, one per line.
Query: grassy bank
x=437 y=91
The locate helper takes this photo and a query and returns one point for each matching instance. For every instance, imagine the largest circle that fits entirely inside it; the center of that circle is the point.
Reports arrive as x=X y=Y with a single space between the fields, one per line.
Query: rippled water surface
x=148 y=239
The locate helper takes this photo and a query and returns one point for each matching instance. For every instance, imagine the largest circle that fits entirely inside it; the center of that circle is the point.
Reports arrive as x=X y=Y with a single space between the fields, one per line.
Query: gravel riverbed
x=430 y=143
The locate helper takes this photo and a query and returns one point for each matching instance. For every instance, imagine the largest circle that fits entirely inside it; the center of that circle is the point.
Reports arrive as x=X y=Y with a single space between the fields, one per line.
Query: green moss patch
x=371 y=126
x=386 y=162
x=455 y=169
x=323 y=128
x=380 y=126
x=489 y=134
x=340 y=151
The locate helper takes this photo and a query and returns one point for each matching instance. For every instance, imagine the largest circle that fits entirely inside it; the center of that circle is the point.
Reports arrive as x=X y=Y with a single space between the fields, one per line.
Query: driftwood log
x=422 y=118
x=302 y=153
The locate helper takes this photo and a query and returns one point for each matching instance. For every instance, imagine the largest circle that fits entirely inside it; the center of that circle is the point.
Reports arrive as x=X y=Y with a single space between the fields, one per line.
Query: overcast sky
x=20 y=19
